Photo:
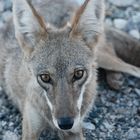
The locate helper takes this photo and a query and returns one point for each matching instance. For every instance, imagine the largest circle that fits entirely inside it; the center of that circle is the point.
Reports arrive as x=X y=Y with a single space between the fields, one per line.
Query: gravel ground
x=116 y=114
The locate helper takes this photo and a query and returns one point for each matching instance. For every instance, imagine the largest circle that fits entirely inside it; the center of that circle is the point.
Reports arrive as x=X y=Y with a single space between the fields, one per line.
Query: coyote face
x=61 y=63
x=64 y=68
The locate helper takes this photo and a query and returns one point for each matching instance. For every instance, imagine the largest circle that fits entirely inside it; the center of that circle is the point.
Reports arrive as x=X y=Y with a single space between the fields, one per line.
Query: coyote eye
x=45 y=78
x=78 y=75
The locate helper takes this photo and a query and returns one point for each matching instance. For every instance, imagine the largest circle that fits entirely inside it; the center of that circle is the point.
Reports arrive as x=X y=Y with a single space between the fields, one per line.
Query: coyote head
x=62 y=62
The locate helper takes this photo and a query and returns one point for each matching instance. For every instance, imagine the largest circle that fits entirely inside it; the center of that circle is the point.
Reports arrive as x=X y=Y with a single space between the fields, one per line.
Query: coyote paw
x=115 y=80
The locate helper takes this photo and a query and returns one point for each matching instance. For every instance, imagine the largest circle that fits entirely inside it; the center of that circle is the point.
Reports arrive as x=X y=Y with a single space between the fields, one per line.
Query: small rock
x=130 y=104
x=80 y=1
x=137 y=91
x=88 y=125
x=8 y=5
x=127 y=90
x=136 y=5
x=136 y=17
x=135 y=103
x=131 y=25
x=108 y=126
x=132 y=134
x=120 y=23
x=11 y=124
x=109 y=22
x=122 y=3
x=1 y=87
x=129 y=12
x=135 y=33
x=1 y=6
x=7 y=15
x=1 y=102
x=2 y=116
x=3 y=123
x=138 y=111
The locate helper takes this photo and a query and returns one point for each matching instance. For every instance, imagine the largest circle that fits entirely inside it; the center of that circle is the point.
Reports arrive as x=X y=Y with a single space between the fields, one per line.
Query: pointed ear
x=29 y=26
x=88 y=21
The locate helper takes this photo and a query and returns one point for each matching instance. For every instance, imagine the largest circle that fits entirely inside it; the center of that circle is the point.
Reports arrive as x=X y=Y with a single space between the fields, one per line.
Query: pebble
x=88 y=125
x=132 y=134
x=108 y=126
x=137 y=91
x=7 y=15
x=135 y=34
x=0 y=26
x=136 y=6
x=138 y=111
x=108 y=22
x=1 y=102
x=3 y=123
x=120 y=23
x=1 y=6
x=8 y=5
x=80 y=1
x=136 y=17
x=122 y=3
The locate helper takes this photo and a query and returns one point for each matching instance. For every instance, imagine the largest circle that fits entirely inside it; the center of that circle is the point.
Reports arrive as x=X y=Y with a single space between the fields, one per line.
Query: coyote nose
x=65 y=123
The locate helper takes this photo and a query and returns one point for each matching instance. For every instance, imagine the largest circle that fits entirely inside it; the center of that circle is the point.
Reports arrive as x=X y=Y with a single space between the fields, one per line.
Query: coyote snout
x=65 y=97
x=65 y=123
x=68 y=124
x=65 y=114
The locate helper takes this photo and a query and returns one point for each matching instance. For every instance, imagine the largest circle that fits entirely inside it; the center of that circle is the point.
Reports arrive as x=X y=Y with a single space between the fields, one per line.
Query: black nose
x=65 y=123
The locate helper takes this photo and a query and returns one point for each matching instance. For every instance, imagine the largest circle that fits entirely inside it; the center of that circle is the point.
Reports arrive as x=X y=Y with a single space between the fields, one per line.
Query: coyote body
x=48 y=66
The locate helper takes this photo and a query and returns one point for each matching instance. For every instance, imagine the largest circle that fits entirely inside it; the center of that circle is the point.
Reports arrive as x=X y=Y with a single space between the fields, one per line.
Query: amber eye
x=78 y=75
x=45 y=78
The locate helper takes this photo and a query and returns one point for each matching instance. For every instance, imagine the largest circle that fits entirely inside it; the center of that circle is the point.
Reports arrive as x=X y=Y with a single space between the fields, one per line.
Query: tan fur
x=77 y=17
x=119 y=53
x=59 y=50
x=50 y=47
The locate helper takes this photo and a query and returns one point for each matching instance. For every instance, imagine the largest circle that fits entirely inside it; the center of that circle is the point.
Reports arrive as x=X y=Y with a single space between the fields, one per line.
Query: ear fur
x=29 y=26
x=88 y=21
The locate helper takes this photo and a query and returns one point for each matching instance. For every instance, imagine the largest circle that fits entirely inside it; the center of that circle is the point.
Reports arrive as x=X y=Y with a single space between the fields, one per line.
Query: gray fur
x=43 y=49
x=59 y=50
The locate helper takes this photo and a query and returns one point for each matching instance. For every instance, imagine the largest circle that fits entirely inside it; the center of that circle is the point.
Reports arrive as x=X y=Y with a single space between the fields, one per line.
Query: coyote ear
x=29 y=26
x=88 y=21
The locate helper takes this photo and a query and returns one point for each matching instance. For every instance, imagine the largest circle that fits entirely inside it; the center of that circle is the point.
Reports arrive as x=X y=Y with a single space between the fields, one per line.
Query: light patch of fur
x=48 y=101
x=87 y=23
x=77 y=124
x=80 y=100
x=28 y=18
x=55 y=122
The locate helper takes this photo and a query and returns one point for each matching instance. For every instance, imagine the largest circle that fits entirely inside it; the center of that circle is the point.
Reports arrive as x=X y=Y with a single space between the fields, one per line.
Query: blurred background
x=123 y=14
x=116 y=114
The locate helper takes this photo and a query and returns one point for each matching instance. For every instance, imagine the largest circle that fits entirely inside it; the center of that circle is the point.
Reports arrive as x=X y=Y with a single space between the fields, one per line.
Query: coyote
x=48 y=62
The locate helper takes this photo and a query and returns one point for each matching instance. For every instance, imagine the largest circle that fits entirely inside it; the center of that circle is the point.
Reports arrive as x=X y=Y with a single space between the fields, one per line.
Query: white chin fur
x=77 y=125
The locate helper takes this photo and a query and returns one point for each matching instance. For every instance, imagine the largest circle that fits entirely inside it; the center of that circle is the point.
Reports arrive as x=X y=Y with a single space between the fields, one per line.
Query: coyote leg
x=114 y=79
x=32 y=123
x=113 y=63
